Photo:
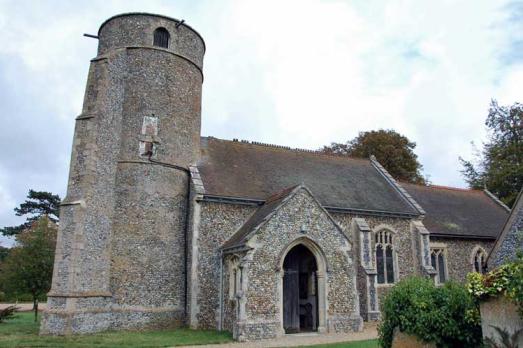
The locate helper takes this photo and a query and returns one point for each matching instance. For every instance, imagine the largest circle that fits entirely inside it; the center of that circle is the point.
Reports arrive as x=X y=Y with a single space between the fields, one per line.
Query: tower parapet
x=120 y=256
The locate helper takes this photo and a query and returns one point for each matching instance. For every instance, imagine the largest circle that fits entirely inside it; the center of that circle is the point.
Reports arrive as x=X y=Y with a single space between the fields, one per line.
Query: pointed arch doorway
x=300 y=291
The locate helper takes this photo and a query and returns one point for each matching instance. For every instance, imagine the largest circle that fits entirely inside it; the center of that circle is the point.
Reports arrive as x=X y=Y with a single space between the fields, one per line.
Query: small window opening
x=235 y=278
x=161 y=38
x=480 y=258
x=438 y=261
x=148 y=149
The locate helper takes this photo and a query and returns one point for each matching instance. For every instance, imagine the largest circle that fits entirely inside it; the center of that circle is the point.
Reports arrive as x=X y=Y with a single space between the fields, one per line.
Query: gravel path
x=24 y=307
x=369 y=332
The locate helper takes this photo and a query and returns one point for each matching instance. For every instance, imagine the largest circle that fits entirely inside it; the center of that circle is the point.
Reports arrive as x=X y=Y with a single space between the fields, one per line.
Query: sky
x=300 y=73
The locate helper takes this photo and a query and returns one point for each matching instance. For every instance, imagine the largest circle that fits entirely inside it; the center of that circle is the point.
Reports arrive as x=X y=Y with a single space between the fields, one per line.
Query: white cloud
x=327 y=70
x=6 y=200
x=510 y=87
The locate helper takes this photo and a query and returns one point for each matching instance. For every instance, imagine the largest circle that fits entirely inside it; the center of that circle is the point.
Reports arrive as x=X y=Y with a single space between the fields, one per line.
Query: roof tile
x=456 y=212
x=255 y=171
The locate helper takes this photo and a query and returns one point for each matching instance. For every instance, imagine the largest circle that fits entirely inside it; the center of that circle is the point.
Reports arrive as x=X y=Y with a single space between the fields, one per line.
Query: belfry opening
x=300 y=291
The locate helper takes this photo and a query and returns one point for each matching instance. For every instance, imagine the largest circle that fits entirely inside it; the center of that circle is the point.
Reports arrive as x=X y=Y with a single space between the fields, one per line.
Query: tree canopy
x=38 y=203
x=393 y=150
x=28 y=267
x=499 y=165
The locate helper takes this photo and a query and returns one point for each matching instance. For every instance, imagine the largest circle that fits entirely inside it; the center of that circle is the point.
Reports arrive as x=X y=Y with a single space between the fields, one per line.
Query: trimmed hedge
x=447 y=316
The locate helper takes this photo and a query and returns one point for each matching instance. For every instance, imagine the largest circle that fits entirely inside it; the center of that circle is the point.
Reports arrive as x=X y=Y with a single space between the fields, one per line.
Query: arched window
x=478 y=260
x=161 y=38
x=385 y=257
x=438 y=261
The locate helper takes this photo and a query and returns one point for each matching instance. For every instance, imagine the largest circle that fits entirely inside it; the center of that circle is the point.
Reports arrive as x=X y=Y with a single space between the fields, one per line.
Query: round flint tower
x=120 y=257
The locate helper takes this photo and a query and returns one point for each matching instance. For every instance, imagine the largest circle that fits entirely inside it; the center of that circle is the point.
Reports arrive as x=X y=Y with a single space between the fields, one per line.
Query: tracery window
x=161 y=38
x=439 y=262
x=479 y=260
x=385 y=257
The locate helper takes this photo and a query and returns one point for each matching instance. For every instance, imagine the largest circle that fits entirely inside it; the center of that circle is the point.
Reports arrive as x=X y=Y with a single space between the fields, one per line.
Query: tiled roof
x=260 y=216
x=455 y=212
x=255 y=171
x=244 y=170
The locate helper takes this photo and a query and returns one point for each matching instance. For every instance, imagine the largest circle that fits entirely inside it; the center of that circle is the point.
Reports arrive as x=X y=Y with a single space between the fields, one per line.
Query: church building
x=161 y=227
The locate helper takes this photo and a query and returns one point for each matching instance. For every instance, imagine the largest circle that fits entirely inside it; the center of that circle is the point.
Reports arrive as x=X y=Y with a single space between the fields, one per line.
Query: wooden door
x=291 y=296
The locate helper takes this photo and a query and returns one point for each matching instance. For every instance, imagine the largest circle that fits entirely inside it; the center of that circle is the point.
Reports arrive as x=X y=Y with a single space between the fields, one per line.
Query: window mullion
x=385 y=266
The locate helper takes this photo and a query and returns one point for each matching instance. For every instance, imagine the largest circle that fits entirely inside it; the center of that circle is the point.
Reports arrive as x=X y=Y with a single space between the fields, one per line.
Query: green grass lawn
x=23 y=332
x=356 y=344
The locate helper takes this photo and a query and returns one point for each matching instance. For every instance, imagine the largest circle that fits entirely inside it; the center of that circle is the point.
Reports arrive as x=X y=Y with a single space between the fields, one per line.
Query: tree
x=393 y=150
x=38 y=203
x=3 y=253
x=499 y=165
x=29 y=266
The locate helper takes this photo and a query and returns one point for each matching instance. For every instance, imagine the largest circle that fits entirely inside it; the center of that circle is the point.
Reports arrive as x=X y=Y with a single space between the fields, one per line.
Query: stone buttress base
x=83 y=315
x=245 y=331
x=344 y=323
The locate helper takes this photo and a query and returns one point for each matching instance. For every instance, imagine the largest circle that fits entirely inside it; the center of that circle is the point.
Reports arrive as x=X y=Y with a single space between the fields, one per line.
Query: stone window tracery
x=161 y=38
x=385 y=257
x=439 y=262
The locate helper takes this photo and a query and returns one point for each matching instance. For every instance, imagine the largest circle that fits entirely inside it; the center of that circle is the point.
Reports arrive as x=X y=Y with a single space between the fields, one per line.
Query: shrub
x=506 y=280
x=7 y=313
x=447 y=316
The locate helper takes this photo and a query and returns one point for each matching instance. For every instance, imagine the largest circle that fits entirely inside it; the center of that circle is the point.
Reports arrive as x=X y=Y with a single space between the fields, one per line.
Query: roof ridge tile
x=442 y=187
x=294 y=149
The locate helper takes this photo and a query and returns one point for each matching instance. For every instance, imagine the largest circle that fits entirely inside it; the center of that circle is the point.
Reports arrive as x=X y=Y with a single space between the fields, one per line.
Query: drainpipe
x=220 y=322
